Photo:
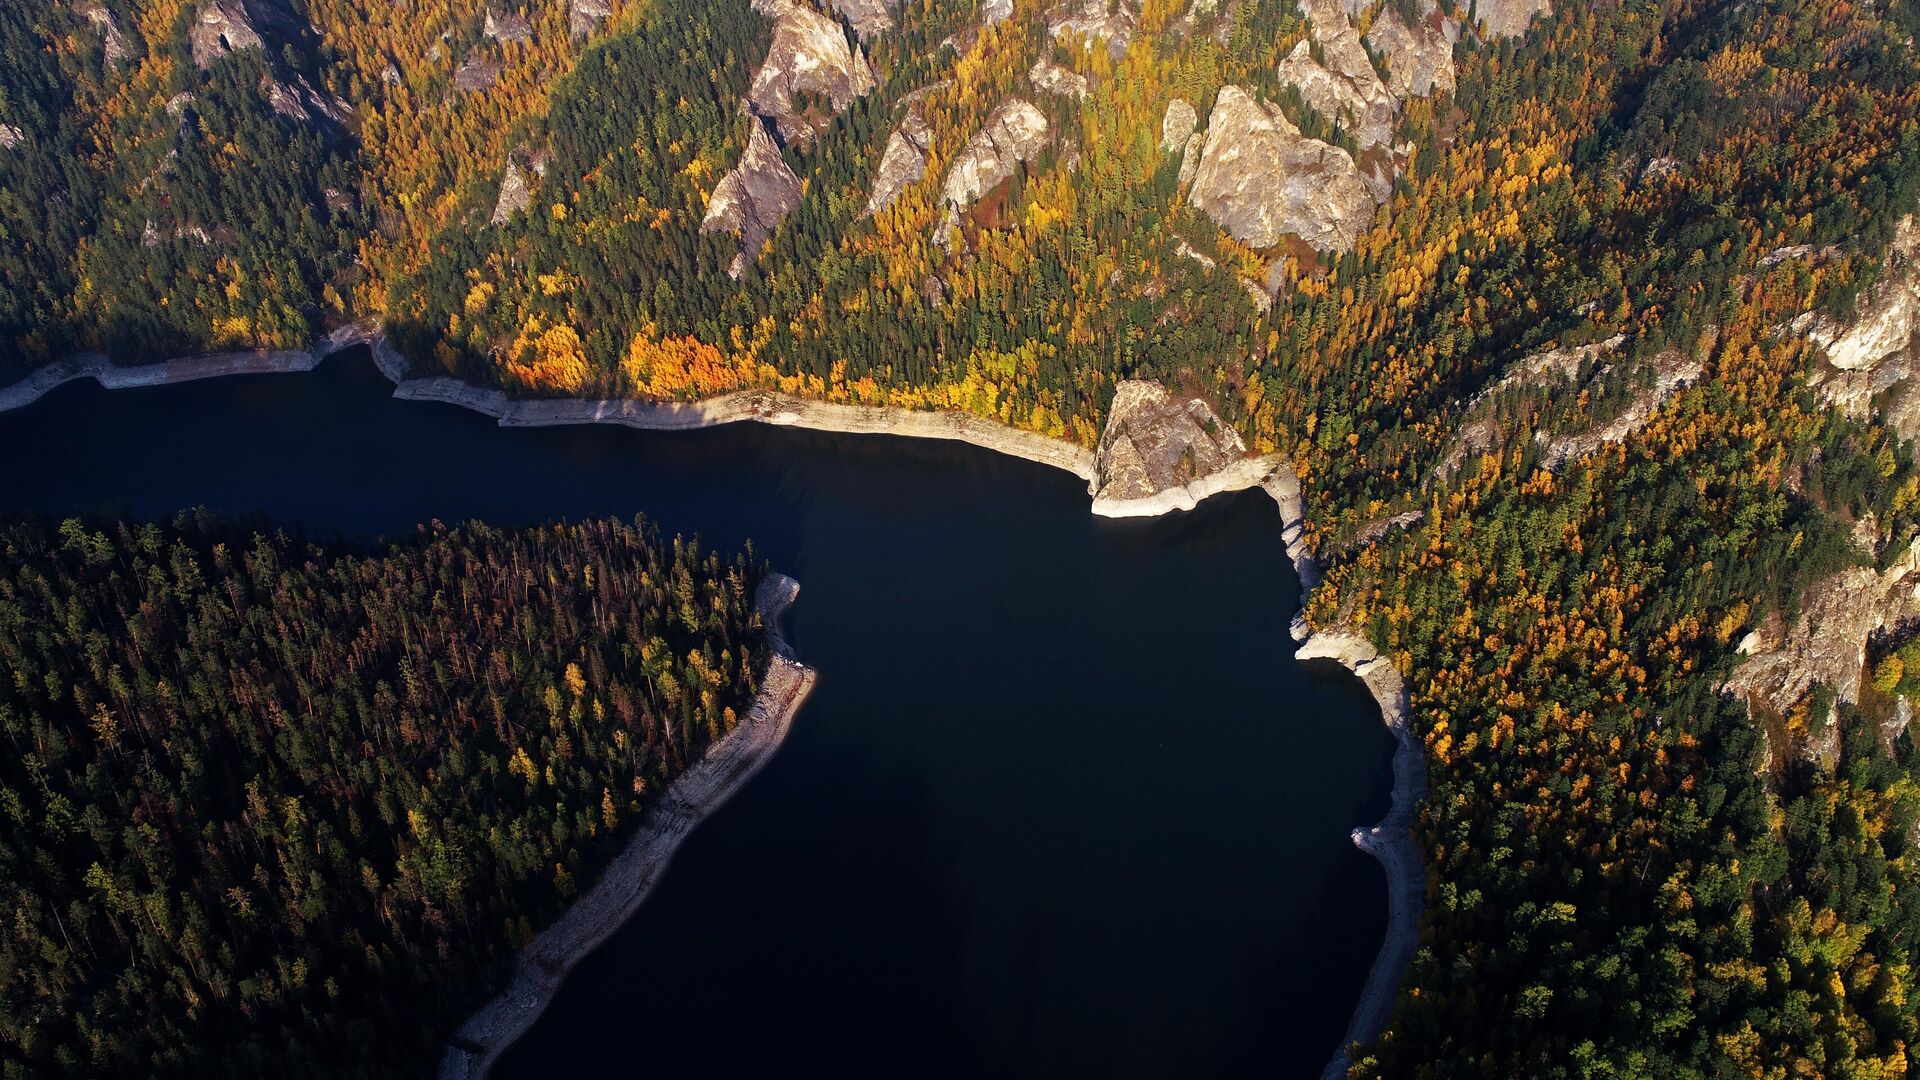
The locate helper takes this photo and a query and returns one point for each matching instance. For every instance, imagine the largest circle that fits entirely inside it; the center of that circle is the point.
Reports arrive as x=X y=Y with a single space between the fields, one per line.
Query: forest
x=1630 y=872
x=276 y=806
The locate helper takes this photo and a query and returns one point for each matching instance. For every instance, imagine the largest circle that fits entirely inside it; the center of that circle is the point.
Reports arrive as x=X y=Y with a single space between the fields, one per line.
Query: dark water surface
x=1062 y=805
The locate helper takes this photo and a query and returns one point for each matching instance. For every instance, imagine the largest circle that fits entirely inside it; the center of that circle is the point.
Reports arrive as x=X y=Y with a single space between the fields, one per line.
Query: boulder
x=809 y=55
x=1177 y=125
x=1262 y=181
x=1013 y=135
x=903 y=163
x=586 y=16
x=1342 y=85
x=1050 y=78
x=1419 y=57
x=752 y=198
x=1154 y=442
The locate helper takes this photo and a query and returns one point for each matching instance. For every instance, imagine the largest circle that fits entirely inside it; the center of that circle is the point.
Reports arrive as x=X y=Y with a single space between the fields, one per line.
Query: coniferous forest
x=269 y=806
x=1585 y=422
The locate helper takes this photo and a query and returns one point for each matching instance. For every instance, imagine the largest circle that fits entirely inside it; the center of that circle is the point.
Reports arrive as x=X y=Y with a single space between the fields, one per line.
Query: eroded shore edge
x=1391 y=840
x=727 y=765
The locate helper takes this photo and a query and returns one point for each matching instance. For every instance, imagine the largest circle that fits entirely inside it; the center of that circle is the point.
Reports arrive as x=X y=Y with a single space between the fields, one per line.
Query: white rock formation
x=903 y=163
x=1050 y=78
x=1177 y=126
x=221 y=28
x=752 y=198
x=1013 y=136
x=869 y=18
x=809 y=55
x=1109 y=21
x=586 y=16
x=1153 y=443
x=1509 y=18
x=1260 y=180
x=1343 y=86
x=11 y=137
x=1877 y=354
x=1419 y=57
x=114 y=42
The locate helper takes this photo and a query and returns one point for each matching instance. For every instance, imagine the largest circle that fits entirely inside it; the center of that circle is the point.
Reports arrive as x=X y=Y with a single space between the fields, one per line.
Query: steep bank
x=544 y=963
x=1391 y=840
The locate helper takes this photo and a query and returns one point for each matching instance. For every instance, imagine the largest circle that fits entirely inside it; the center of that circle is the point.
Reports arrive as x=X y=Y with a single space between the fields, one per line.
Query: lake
x=1061 y=805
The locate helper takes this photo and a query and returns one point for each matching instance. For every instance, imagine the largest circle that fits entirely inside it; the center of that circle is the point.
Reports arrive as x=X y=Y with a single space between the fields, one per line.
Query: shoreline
x=543 y=964
x=1391 y=840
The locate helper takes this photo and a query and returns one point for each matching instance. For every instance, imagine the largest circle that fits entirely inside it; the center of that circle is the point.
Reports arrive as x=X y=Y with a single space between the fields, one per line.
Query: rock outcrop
x=1480 y=431
x=1827 y=644
x=221 y=28
x=869 y=18
x=477 y=73
x=1260 y=180
x=903 y=163
x=1154 y=442
x=1177 y=125
x=1050 y=78
x=1419 y=57
x=297 y=100
x=516 y=185
x=809 y=57
x=1876 y=354
x=1509 y=18
x=1342 y=86
x=586 y=16
x=752 y=198
x=507 y=27
x=1673 y=371
x=11 y=137
x=114 y=42
x=1108 y=21
x=1013 y=135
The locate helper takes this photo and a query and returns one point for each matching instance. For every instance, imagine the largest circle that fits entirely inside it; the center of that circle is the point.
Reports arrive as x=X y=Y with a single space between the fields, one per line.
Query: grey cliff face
x=1877 y=353
x=809 y=55
x=869 y=18
x=1344 y=87
x=903 y=163
x=222 y=28
x=1260 y=180
x=1509 y=18
x=1419 y=56
x=752 y=198
x=1013 y=135
x=1153 y=442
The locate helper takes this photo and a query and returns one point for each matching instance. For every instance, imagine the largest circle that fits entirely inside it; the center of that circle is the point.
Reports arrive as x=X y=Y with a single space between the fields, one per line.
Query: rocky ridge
x=903 y=163
x=1876 y=354
x=1343 y=85
x=808 y=56
x=1013 y=135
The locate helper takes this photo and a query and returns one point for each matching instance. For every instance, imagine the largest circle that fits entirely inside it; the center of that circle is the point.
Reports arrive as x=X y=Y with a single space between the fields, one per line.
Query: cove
x=1061 y=804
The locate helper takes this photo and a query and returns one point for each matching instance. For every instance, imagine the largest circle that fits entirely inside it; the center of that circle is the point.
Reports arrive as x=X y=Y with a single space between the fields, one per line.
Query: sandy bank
x=1392 y=840
x=703 y=788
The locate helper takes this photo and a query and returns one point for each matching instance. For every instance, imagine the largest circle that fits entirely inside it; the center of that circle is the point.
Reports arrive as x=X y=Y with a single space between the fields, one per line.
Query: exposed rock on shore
x=1154 y=442
x=809 y=56
x=752 y=198
x=1262 y=181
x=703 y=788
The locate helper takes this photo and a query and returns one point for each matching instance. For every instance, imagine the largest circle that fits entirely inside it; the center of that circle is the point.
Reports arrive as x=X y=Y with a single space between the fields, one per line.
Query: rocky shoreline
x=544 y=963
x=1391 y=840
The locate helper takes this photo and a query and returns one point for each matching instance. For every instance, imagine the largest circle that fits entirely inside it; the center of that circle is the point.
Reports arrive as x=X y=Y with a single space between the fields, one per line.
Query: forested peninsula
x=1587 y=329
x=276 y=806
